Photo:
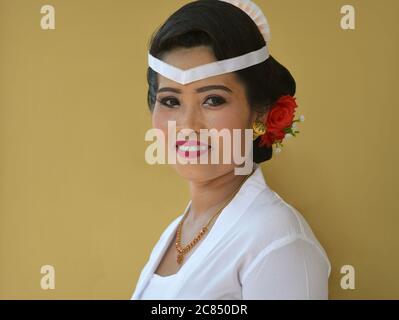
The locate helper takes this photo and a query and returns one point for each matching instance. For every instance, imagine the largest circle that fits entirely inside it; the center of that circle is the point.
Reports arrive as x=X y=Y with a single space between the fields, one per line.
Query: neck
x=208 y=196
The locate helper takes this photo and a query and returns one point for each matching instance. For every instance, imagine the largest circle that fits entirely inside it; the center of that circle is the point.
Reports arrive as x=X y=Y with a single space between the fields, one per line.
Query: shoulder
x=274 y=218
x=270 y=223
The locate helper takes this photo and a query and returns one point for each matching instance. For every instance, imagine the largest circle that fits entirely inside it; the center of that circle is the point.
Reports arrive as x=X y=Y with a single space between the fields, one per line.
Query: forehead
x=187 y=58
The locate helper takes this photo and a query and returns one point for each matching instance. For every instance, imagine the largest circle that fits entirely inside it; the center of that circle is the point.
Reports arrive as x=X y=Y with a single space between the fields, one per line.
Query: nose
x=191 y=119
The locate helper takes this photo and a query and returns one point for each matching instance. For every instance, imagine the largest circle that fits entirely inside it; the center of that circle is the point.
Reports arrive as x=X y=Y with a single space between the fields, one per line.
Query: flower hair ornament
x=279 y=124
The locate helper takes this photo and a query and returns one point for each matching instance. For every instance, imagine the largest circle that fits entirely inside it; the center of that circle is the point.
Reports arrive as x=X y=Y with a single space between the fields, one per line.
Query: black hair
x=229 y=32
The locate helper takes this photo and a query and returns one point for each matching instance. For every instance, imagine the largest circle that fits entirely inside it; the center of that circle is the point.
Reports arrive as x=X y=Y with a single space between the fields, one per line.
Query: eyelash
x=163 y=101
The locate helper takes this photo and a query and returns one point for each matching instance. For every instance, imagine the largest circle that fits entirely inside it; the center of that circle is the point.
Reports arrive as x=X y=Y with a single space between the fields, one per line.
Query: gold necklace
x=182 y=251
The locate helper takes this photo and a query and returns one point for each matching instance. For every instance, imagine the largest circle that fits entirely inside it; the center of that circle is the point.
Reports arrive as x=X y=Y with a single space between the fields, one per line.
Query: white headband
x=222 y=66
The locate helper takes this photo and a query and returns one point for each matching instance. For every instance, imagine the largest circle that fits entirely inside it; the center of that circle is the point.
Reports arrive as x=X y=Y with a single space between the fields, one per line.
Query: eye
x=217 y=101
x=169 y=102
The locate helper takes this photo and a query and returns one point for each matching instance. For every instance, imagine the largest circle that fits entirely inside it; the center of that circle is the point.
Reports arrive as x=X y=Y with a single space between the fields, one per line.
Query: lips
x=191 y=143
x=191 y=148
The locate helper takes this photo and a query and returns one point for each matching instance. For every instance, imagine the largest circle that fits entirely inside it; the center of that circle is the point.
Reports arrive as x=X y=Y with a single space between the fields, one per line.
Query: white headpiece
x=222 y=66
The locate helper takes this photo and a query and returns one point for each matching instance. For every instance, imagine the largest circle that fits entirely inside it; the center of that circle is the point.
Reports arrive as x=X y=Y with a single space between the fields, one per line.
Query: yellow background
x=76 y=193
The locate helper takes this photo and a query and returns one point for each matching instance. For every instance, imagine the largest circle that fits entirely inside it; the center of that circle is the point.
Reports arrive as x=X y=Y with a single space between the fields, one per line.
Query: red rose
x=279 y=118
x=266 y=139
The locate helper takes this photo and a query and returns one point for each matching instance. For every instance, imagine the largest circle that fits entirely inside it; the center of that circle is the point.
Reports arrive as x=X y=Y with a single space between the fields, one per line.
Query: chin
x=201 y=172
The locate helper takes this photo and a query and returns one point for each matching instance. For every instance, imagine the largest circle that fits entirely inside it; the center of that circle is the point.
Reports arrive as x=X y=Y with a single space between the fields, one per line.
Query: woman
x=237 y=238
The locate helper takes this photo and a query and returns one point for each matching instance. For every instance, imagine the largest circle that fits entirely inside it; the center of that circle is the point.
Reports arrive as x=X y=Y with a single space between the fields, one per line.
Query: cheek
x=160 y=120
x=236 y=117
x=230 y=118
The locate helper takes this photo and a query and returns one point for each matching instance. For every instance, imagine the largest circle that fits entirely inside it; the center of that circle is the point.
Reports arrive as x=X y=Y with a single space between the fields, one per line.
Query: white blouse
x=259 y=247
x=157 y=288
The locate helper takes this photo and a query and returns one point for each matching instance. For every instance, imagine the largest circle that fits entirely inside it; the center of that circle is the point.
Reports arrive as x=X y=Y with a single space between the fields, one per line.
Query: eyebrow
x=198 y=90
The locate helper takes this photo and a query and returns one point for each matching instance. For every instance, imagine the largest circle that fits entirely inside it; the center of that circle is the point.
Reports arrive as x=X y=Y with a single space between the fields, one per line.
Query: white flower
x=294 y=126
x=278 y=150
x=302 y=118
x=288 y=135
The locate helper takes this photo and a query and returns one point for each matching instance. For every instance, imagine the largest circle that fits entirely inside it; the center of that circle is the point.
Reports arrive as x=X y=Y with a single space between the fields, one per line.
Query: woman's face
x=201 y=105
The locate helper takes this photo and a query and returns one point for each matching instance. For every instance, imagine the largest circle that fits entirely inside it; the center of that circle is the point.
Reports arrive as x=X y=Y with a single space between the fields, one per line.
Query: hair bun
x=256 y=14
